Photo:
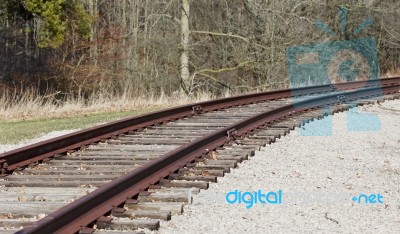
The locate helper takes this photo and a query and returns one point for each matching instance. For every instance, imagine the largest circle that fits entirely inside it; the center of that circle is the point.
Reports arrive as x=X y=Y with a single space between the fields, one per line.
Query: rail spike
x=232 y=134
x=197 y=109
x=3 y=167
x=341 y=98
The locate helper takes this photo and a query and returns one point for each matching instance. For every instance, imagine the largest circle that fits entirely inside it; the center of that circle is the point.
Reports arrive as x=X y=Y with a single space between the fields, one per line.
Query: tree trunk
x=185 y=31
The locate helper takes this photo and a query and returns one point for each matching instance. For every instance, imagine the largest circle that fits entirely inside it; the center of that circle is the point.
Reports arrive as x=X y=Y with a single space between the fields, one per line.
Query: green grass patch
x=12 y=132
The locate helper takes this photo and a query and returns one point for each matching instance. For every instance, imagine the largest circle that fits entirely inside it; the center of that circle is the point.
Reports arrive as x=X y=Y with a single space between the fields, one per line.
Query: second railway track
x=31 y=193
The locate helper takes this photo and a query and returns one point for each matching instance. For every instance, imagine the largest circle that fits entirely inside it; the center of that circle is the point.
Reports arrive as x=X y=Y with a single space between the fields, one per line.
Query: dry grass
x=30 y=115
x=27 y=115
x=30 y=105
x=394 y=72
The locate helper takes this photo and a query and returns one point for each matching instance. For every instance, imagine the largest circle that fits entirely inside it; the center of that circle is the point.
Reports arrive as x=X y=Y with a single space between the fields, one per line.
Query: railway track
x=129 y=174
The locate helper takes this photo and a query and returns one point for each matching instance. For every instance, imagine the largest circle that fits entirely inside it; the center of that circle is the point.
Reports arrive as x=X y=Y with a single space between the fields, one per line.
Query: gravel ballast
x=318 y=176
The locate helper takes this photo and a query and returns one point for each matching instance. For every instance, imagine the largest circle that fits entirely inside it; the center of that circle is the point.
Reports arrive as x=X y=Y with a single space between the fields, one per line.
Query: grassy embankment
x=30 y=116
x=15 y=131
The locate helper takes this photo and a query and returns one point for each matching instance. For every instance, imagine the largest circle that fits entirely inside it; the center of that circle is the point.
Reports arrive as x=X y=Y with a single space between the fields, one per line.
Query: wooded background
x=80 y=46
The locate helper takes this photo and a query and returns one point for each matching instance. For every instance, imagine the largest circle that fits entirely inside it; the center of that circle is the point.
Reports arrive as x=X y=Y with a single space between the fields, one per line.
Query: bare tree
x=185 y=33
x=166 y=46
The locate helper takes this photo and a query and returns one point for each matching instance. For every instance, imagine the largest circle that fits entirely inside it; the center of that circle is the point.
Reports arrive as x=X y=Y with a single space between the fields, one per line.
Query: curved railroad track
x=129 y=174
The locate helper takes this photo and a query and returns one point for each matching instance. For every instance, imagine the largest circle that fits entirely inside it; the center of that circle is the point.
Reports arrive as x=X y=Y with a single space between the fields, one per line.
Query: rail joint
x=232 y=134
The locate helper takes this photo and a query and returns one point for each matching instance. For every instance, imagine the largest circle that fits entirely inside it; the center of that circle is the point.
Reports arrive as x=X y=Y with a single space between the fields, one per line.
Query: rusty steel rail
x=86 y=210
x=21 y=157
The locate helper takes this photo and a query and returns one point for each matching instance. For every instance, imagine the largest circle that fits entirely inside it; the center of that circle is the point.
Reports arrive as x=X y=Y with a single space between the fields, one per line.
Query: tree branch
x=228 y=35
x=242 y=64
